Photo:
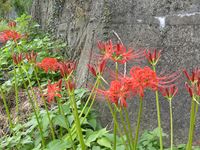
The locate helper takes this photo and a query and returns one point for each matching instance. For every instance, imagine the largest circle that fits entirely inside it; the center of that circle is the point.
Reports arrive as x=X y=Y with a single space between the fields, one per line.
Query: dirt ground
x=25 y=109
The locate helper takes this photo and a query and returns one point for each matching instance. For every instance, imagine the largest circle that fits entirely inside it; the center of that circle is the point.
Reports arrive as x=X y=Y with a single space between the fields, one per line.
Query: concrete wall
x=171 y=25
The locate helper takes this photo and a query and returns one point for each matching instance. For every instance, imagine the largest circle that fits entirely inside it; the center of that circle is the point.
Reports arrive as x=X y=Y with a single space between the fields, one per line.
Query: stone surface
x=171 y=25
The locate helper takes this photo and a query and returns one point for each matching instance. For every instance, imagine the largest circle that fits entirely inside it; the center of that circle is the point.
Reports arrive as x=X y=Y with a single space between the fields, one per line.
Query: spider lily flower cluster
x=9 y=35
x=117 y=52
x=12 y=24
x=139 y=79
x=193 y=84
x=54 y=90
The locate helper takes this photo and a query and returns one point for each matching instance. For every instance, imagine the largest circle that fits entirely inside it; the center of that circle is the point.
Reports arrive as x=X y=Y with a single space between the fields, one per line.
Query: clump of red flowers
x=12 y=24
x=117 y=93
x=53 y=90
x=153 y=56
x=31 y=57
x=17 y=58
x=66 y=68
x=169 y=92
x=118 y=52
x=9 y=35
x=70 y=85
x=49 y=64
x=142 y=78
x=193 y=84
x=98 y=68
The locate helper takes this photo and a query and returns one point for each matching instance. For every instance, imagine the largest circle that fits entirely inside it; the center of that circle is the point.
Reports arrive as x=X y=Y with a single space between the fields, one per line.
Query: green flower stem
x=129 y=126
x=192 y=122
x=45 y=105
x=125 y=130
x=7 y=110
x=116 y=70
x=31 y=87
x=158 y=114
x=34 y=110
x=171 y=122
x=115 y=129
x=77 y=119
x=66 y=122
x=196 y=110
x=59 y=109
x=90 y=107
x=85 y=106
x=16 y=96
x=115 y=122
x=86 y=114
x=138 y=123
x=90 y=96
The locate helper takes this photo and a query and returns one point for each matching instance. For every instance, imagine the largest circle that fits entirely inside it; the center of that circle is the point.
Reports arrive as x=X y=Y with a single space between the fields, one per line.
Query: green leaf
x=26 y=140
x=38 y=147
x=93 y=137
x=93 y=122
x=111 y=137
x=30 y=70
x=196 y=148
x=80 y=93
x=181 y=146
x=70 y=119
x=58 y=145
x=60 y=120
x=45 y=122
x=156 y=132
x=96 y=148
x=104 y=142
x=66 y=108
x=17 y=127
x=120 y=147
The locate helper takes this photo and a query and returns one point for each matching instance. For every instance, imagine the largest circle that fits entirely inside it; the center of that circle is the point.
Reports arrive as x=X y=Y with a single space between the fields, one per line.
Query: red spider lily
x=168 y=80
x=97 y=70
x=117 y=93
x=9 y=35
x=118 y=53
x=169 y=92
x=49 y=64
x=189 y=89
x=12 y=24
x=194 y=89
x=106 y=49
x=66 y=68
x=194 y=77
x=2 y=38
x=70 y=85
x=143 y=78
x=17 y=58
x=53 y=90
x=153 y=57
x=31 y=57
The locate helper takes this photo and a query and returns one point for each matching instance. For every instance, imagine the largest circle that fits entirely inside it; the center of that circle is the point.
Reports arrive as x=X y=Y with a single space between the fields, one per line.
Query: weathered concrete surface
x=171 y=25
